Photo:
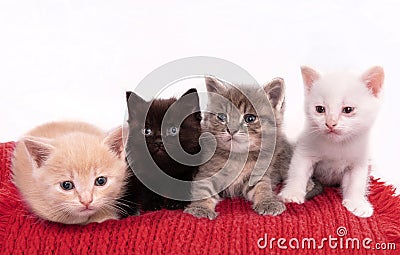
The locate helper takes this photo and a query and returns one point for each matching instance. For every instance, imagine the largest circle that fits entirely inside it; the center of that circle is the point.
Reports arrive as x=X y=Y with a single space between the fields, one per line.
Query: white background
x=75 y=59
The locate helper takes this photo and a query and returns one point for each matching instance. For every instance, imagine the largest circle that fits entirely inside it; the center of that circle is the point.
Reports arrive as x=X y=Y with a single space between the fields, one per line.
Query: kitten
x=340 y=109
x=237 y=129
x=71 y=172
x=151 y=153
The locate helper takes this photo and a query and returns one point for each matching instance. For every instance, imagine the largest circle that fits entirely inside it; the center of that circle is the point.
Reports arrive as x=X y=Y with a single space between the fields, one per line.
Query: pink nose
x=331 y=122
x=86 y=202
x=330 y=125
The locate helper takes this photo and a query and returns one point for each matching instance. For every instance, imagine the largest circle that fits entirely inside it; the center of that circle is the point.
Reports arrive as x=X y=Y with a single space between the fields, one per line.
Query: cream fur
x=73 y=151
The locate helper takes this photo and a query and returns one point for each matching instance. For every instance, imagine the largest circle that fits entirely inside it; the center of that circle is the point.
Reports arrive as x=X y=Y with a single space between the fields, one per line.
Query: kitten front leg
x=354 y=186
x=204 y=208
x=314 y=188
x=265 y=202
x=299 y=173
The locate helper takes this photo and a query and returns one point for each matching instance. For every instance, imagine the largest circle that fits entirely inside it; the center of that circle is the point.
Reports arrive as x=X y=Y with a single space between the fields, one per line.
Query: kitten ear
x=374 y=78
x=128 y=94
x=214 y=85
x=133 y=97
x=134 y=102
x=192 y=90
x=190 y=99
x=39 y=149
x=276 y=93
x=310 y=76
x=114 y=141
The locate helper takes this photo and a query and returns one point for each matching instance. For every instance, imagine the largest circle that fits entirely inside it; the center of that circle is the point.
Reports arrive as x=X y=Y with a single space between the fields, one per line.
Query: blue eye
x=147 y=131
x=249 y=118
x=100 y=181
x=67 y=185
x=173 y=131
x=222 y=117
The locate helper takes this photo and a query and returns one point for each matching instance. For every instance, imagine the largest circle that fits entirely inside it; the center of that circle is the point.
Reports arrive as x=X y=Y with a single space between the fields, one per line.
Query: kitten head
x=80 y=175
x=340 y=106
x=164 y=123
x=232 y=117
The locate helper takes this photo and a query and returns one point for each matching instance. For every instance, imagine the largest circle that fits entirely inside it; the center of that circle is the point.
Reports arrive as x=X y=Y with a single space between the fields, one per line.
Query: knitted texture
x=237 y=229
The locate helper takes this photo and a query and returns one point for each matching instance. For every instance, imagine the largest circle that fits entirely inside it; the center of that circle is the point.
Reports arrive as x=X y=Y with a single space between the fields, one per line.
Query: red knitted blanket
x=320 y=226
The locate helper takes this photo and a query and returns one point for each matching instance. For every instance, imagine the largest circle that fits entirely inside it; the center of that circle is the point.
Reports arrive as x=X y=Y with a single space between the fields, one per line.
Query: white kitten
x=340 y=109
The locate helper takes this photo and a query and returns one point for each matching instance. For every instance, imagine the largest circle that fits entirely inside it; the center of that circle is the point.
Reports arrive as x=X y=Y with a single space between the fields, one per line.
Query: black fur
x=189 y=133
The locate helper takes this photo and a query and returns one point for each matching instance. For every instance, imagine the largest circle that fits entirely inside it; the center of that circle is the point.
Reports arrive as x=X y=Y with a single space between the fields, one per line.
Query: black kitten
x=147 y=141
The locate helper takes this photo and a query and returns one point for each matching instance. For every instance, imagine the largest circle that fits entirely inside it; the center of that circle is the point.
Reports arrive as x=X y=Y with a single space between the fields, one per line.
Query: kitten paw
x=269 y=207
x=201 y=212
x=292 y=196
x=361 y=208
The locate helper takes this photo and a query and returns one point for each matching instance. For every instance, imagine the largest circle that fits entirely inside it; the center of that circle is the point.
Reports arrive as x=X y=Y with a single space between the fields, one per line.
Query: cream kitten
x=340 y=109
x=71 y=172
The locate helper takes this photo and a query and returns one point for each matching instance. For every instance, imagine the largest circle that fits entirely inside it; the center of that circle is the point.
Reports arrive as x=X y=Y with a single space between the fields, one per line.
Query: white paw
x=360 y=208
x=292 y=196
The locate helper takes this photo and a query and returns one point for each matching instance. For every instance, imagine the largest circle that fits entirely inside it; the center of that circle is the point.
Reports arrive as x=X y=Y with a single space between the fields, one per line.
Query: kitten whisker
x=118 y=209
x=89 y=148
x=127 y=202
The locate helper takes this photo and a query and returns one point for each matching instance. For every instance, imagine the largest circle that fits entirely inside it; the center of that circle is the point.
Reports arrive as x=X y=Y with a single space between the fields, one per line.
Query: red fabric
x=235 y=231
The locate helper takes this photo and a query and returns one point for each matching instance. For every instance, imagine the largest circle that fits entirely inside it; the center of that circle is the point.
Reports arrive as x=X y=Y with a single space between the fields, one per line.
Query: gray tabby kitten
x=237 y=130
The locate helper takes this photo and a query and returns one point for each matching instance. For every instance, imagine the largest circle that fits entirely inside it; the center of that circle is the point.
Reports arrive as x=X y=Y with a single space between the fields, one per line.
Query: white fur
x=335 y=158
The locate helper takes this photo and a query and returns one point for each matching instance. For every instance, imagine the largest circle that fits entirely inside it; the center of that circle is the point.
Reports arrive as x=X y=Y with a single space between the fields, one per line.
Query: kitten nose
x=158 y=142
x=86 y=203
x=331 y=122
x=232 y=131
x=232 y=128
x=86 y=199
x=330 y=125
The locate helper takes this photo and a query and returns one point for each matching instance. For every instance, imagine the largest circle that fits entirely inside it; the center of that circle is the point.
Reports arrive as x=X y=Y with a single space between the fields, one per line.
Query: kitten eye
x=222 y=117
x=147 y=131
x=173 y=131
x=320 y=109
x=100 y=181
x=249 y=118
x=347 y=110
x=67 y=185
